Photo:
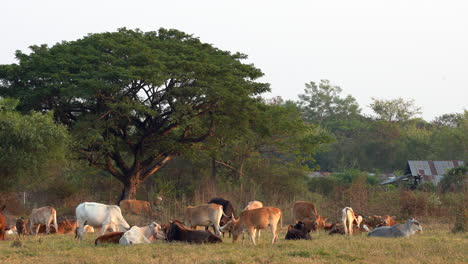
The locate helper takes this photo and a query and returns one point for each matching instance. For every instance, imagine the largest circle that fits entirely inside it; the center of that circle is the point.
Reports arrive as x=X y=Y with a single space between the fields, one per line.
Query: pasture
x=435 y=245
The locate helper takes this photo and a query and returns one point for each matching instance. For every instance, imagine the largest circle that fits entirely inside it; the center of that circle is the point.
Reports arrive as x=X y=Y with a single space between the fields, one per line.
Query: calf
x=178 y=232
x=298 y=231
x=43 y=216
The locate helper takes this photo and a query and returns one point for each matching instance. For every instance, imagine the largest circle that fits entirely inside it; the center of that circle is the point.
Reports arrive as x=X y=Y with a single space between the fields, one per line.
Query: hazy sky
x=386 y=49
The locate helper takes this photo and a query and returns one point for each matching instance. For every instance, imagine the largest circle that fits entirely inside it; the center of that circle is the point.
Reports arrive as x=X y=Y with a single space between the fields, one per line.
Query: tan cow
x=250 y=220
x=136 y=207
x=349 y=217
x=43 y=216
x=204 y=215
x=254 y=205
x=388 y=221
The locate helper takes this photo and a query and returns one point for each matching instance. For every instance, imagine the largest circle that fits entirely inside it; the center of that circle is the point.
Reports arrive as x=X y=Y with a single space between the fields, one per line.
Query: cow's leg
x=49 y=222
x=79 y=230
x=258 y=233
x=273 y=233
x=216 y=227
x=104 y=227
x=251 y=233
x=37 y=228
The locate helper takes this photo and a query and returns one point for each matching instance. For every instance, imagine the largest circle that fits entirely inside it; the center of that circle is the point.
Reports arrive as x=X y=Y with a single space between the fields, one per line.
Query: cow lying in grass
x=399 y=230
x=338 y=229
x=298 y=231
x=178 y=232
x=138 y=235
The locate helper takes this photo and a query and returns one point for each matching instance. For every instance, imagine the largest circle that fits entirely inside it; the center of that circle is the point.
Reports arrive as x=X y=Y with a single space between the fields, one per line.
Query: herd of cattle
x=218 y=214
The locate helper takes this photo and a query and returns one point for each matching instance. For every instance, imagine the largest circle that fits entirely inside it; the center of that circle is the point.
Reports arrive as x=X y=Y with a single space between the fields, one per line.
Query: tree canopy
x=132 y=99
x=28 y=144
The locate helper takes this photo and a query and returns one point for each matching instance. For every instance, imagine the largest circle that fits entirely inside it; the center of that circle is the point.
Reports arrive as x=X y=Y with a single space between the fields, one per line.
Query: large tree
x=134 y=100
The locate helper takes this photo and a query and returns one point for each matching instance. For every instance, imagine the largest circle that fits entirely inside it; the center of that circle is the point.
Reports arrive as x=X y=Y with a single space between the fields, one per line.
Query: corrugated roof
x=431 y=170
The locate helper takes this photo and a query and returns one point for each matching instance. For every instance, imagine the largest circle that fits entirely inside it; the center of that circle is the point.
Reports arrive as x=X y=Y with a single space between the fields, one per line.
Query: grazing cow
x=228 y=211
x=99 y=215
x=43 y=216
x=109 y=238
x=298 y=231
x=253 y=205
x=178 y=232
x=250 y=220
x=204 y=215
x=3 y=223
x=348 y=218
x=136 y=207
x=399 y=230
x=21 y=226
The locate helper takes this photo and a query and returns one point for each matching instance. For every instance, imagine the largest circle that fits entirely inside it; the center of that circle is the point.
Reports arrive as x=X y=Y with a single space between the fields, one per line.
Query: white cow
x=142 y=235
x=99 y=215
x=399 y=230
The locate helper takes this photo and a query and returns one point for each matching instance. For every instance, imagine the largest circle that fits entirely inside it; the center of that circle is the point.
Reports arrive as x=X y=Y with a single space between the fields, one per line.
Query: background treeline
x=134 y=114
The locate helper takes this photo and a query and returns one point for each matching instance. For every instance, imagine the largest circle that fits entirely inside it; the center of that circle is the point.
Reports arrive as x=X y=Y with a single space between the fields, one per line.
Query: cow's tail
x=281 y=221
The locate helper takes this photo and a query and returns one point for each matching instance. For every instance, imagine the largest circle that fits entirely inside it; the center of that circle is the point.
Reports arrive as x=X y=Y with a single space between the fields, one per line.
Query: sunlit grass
x=435 y=245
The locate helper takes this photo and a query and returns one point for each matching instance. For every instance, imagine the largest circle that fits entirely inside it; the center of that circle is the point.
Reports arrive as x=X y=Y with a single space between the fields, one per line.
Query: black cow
x=228 y=211
x=298 y=231
x=178 y=232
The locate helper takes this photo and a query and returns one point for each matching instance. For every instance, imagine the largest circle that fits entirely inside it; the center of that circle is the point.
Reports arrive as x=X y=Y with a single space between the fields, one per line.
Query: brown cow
x=3 y=223
x=178 y=232
x=303 y=210
x=253 y=205
x=136 y=207
x=109 y=238
x=259 y=218
x=388 y=221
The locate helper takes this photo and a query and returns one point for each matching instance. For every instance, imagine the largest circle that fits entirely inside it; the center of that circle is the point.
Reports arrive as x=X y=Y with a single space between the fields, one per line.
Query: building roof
x=431 y=170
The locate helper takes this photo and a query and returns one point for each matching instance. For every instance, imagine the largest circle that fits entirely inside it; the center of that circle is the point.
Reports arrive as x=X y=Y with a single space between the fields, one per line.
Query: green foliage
x=455 y=180
x=394 y=110
x=134 y=99
x=322 y=103
x=29 y=144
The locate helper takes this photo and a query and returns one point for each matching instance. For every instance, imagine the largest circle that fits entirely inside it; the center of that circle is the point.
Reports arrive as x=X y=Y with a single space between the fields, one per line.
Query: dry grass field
x=435 y=245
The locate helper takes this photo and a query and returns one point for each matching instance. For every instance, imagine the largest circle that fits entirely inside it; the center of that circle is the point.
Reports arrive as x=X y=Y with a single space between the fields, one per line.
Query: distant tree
x=448 y=120
x=134 y=100
x=28 y=144
x=455 y=180
x=323 y=103
x=395 y=110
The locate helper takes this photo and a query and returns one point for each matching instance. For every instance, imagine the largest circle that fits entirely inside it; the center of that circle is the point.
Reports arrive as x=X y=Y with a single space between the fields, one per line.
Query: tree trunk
x=130 y=188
